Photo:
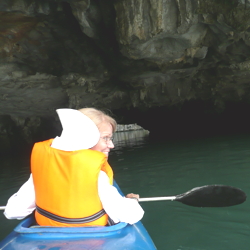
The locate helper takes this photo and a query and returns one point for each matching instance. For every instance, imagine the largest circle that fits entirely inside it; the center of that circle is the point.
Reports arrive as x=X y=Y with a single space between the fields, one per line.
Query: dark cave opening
x=194 y=119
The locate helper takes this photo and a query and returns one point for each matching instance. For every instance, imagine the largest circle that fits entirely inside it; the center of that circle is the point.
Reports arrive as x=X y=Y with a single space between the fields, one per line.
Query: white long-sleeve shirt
x=119 y=208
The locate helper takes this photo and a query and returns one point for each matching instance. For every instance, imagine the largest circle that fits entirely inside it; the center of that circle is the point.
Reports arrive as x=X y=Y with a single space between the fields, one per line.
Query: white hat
x=79 y=131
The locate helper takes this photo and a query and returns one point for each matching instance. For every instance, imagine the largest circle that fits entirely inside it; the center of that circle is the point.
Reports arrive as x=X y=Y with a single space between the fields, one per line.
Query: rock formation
x=118 y=55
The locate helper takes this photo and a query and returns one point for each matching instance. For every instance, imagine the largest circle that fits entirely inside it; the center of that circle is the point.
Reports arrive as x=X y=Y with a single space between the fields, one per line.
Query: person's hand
x=133 y=196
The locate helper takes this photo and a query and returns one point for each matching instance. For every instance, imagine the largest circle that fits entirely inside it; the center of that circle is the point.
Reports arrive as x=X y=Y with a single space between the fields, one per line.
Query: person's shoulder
x=46 y=142
x=96 y=153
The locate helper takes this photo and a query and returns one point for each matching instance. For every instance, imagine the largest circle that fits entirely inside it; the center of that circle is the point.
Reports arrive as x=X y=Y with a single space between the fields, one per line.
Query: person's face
x=104 y=144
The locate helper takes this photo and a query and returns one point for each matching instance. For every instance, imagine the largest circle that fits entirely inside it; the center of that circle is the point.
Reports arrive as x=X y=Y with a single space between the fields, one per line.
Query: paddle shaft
x=2 y=208
x=165 y=198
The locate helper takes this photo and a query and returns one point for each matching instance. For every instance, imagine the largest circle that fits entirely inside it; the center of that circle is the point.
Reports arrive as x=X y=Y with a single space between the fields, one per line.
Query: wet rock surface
x=120 y=55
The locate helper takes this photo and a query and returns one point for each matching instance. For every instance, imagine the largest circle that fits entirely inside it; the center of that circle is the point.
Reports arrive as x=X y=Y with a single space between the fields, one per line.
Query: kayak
x=122 y=236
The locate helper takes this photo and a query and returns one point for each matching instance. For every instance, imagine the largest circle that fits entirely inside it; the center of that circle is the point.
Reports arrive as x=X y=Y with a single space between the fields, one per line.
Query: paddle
x=207 y=196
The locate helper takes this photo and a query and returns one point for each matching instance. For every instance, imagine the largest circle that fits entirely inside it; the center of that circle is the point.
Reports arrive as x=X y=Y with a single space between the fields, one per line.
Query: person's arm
x=21 y=203
x=119 y=208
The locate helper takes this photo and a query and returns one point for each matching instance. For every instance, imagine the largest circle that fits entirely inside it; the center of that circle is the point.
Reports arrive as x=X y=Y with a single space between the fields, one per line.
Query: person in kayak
x=71 y=181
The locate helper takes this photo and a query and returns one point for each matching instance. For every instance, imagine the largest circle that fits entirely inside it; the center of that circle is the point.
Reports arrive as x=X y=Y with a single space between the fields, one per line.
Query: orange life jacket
x=66 y=185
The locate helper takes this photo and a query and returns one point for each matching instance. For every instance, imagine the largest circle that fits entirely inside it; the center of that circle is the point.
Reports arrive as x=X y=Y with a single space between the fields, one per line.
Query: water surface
x=166 y=168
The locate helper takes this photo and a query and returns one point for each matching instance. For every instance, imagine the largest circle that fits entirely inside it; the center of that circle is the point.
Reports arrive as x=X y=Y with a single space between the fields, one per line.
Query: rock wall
x=120 y=54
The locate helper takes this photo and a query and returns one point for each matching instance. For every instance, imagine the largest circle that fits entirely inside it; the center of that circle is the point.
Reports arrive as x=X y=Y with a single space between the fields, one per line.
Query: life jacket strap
x=110 y=222
x=70 y=220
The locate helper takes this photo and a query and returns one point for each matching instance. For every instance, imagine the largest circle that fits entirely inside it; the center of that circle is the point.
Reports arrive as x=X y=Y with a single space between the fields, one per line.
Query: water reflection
x=130 y=138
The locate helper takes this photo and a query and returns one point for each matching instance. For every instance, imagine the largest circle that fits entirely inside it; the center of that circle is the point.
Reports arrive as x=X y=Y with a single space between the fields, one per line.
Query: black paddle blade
x=212 y=196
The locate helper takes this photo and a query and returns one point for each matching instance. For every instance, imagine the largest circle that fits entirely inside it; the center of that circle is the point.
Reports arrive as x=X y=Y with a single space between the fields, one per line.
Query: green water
x=166 y=168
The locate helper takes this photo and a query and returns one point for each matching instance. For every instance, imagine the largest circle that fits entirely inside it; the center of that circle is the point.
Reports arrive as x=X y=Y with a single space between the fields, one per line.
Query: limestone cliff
x=118 y=55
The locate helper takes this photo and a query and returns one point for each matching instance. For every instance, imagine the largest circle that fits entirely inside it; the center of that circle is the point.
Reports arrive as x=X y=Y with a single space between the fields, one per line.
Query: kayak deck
x=119 y=236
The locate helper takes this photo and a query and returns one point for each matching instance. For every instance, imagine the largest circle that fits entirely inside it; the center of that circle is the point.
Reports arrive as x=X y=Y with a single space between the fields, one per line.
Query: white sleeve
x=119 y=208
x=21 y=203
